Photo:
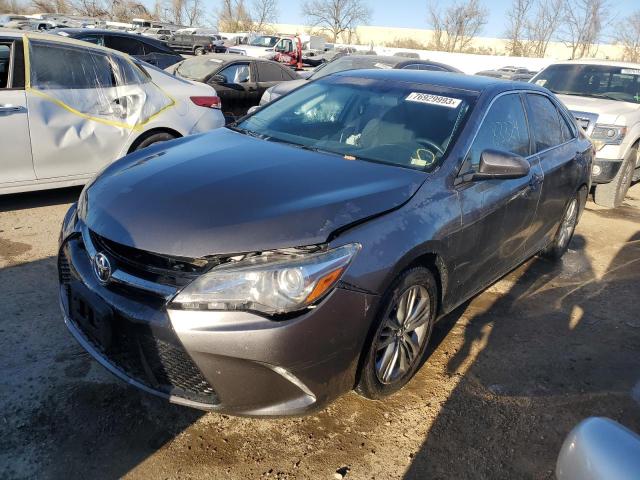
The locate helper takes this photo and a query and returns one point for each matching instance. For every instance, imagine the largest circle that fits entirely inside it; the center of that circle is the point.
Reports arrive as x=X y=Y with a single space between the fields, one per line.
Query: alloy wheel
x=403 y=334
x=568 y=224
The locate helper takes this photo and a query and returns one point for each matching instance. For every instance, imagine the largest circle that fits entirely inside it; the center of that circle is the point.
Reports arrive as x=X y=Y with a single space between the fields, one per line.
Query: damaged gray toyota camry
x=268 y=267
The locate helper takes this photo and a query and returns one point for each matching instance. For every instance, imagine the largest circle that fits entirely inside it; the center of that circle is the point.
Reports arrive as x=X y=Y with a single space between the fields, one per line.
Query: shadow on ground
x=540 y=371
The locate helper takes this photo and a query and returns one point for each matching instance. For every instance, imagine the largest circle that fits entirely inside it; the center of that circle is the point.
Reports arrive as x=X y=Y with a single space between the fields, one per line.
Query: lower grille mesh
x=151 y=356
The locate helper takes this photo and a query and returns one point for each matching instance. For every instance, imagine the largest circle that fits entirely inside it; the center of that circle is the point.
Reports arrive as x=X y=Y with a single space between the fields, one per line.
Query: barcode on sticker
x=630 y=71
x=434 y=99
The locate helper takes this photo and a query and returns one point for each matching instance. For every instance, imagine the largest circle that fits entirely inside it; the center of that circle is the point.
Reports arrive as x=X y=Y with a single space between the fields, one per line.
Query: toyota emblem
x=102 y=268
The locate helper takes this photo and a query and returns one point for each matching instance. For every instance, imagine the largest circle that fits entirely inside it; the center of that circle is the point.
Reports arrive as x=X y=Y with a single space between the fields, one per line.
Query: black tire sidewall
x=368 y=385
x=152 y=139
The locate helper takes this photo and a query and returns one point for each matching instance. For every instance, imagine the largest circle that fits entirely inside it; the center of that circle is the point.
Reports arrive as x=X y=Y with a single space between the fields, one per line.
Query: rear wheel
x=198 y=51
x=560 y=243
x=151 y=139
x=611 y=195
x=404 y=325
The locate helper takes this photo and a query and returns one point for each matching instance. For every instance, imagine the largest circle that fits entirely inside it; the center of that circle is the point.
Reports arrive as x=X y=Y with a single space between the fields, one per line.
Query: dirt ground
x=509 y=375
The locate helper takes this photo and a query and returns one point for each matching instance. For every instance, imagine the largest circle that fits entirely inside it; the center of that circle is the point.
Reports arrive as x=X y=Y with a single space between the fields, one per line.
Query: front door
x=15 y=143
x=497 y=214
x=236 y=90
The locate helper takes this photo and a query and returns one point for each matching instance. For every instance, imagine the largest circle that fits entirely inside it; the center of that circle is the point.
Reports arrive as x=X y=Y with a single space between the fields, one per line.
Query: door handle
x=7 y=108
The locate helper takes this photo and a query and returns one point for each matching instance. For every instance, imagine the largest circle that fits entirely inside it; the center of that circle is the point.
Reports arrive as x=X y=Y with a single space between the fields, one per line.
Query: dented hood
x=224 y=192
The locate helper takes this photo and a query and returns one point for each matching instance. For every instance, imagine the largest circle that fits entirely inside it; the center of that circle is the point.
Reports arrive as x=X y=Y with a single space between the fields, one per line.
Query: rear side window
x=56 y=66
x=504 y=128
x=127 y=45
x=97 y=39
x=5 y=64
x=236 y=73
x=269 y=72
x=545 y=122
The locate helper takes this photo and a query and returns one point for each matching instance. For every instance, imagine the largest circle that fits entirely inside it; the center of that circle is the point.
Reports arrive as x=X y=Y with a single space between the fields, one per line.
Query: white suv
x=604 y=97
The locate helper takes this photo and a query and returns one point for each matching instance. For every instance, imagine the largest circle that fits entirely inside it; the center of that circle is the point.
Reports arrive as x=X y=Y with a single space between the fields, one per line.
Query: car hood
x=254 y=51
x=608 y=111
x=286 y=87
x=224 y=193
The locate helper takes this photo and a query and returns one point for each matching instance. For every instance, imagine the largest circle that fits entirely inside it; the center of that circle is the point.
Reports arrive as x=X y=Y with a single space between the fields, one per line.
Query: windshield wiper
x=245 y=131
x=604 y=95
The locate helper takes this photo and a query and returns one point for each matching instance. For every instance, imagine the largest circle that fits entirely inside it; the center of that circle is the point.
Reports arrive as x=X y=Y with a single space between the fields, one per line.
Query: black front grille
x=163 y=269
x=160 y=363
x=146 y=352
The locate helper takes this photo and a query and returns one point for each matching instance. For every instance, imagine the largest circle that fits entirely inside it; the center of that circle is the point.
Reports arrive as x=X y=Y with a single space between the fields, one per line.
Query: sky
x=413 y=13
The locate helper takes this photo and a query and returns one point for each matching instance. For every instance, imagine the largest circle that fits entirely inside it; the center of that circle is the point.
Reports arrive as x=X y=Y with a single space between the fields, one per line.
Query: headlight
x=270 y=283
x=607 y=135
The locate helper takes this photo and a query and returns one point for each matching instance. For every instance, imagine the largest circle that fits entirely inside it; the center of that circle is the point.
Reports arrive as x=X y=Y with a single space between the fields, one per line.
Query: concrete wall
x=366 y=36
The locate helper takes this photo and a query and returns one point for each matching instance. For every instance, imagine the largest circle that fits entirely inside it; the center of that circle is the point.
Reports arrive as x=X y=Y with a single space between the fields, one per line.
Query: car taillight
x=208 y=102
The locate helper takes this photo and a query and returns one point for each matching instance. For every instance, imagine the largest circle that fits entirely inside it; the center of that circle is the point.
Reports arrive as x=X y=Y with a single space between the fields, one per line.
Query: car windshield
x=353 y=63
x=198 y=68
x=264 y=41
x=408 y=125
x=598 y=81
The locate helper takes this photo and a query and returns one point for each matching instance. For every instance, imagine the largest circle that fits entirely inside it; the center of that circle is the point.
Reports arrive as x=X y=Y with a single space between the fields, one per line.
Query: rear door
x=269 y=74
x=76 y=111
x=496 y=214
x=555 y=145
x=16 y=163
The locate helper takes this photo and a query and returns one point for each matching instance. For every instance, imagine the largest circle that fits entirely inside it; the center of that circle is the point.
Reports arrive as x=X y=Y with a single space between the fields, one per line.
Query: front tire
x=403 y=328
x=611 y=195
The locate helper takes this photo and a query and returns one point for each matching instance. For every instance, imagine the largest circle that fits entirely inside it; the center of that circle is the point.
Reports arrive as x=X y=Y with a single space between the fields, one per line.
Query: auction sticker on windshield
x=434 y=99
x=630 y=71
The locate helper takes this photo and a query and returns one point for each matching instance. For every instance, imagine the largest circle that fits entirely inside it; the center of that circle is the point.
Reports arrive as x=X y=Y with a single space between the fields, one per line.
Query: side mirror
x=498 y=164
x=220 y=79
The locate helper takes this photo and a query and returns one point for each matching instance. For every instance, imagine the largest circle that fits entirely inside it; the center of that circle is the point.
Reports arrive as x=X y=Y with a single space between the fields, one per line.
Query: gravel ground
x=509 y=375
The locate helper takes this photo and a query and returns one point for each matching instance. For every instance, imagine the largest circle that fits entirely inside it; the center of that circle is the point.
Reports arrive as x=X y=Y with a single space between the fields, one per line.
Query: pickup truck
x=195 y=44
x=604 y=97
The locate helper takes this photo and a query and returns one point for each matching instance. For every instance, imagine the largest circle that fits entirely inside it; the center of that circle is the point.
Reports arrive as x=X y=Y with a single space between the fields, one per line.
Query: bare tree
x=517 y=18
x=542 y=26
x=628 y=35
x=456 y=27
x=337 y=17
x=193 y=12
x=263 y=12
x=582 y=25
x=234 y=16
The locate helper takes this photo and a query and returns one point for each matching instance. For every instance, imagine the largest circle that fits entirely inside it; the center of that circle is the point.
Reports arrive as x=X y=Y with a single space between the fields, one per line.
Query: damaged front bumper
x=234 y=362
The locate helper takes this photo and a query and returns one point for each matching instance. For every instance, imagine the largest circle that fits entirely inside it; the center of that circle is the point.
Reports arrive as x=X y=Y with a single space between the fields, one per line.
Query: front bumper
x=605 y=170
x=233 y=362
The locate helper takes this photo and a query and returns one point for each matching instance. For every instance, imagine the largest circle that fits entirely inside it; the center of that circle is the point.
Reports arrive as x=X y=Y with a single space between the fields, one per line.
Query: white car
x=604 y=96
x=68 y=108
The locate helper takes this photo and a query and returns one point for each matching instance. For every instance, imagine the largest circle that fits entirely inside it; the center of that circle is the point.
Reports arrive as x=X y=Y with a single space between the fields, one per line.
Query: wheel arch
x=143 y=136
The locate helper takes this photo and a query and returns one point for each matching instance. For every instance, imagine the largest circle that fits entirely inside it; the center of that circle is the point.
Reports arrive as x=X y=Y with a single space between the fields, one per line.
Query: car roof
x=607 y=63
x=106 y=31
x=17 y=34
x=224 y=58
x=393 y=61
x=458 y=81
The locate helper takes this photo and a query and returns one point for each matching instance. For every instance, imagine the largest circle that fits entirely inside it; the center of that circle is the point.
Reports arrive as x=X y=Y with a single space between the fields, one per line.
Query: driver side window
x=236 y=73
x=504 y=128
